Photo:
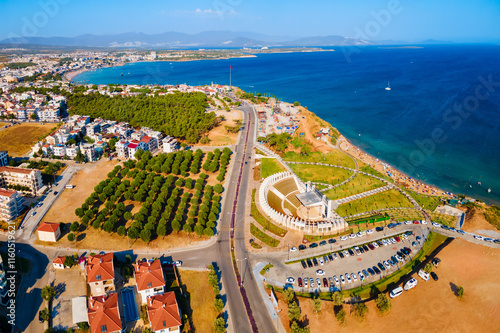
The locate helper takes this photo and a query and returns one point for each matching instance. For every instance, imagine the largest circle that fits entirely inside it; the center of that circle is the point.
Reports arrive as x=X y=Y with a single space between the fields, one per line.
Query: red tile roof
x=103 y=311
x=16 y=170
x=163 y=311
x=59 y=260
x=149 y=275
x=145 y=139
x=48 y=227
x=6 y=193
x=100 y=264
x=132 y=145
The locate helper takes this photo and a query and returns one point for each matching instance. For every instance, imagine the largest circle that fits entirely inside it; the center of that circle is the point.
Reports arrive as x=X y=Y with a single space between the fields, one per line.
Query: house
x=104 y=314
x=164 y=314
x=122 y=149
x=169 y=144
x=100 y=274
x=150 y=143
x=58 y=262
x=49 y=231
x=149 y=278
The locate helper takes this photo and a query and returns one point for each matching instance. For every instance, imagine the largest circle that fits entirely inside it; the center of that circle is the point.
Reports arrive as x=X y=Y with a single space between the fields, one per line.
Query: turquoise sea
x=440 y=122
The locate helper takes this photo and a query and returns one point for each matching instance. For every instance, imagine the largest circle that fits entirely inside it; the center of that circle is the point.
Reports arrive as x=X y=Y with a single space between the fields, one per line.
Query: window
x=104 y=328
x=98 y=277
x=164 y=324
x=150 y=285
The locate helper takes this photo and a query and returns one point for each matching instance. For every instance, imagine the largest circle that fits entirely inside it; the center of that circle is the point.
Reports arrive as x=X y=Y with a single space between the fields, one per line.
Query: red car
x=325 y=283
x=397 y=239
x=416 y=222
x=300 y=282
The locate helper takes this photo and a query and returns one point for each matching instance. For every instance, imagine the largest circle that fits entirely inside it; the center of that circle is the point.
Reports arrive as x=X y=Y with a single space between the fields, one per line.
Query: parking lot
x=352 y=263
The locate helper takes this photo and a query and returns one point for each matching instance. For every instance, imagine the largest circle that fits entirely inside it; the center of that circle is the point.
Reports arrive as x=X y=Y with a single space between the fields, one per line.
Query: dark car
x=380 y=243
x=304 y=265
x=401 y=254
x=315 y=262
x=365 y=248
x=371 y=271
x=436 y=261
x=325 y=258
x=434 y=276
x=300 y=282
x=302 y=247
x=382 y=267
x=322 y=243
x=313 y=245
x=371 y=247
x=341 y=255
x=332 y=241
x=496 y=241
x=55 y=192
x=379 y=229
x=351 y=252
x=391 y=225
x=40 y=319
x=375 y=268
x=361 y=249
x=309 y=263
x=330 y=257
x=325 y=283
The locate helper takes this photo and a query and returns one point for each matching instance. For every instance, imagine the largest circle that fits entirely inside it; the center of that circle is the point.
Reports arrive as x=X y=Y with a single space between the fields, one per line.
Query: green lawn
x=335 y=157
x=368 y=169
x=429 y=202
x=263 y=221
x=321 y=173
x=443 y=219
x=269 y=167
x=360 y=183
x=405 y=215
x=263 y=237
x=387 y=199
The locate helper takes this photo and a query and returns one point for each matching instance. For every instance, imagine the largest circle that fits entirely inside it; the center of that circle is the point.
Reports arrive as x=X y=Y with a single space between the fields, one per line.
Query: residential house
x=149 y=278
x=104 y=314
x=58 y=262
x=49 y=232
x=100 y=274
x=122 y=149
x=150 y=143
x=164 y=314
x=169 y=144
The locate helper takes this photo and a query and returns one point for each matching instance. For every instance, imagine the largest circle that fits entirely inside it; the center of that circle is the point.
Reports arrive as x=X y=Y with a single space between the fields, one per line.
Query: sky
x=404 y=20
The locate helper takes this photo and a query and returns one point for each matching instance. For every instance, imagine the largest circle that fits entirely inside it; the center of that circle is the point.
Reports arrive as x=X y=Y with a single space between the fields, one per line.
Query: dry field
x=310 y=126
x=18 y=139
x=218 y=135
x=431 y=306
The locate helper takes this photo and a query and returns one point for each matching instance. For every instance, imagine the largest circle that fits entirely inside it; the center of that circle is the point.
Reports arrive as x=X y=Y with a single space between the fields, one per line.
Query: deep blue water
x=435 y=100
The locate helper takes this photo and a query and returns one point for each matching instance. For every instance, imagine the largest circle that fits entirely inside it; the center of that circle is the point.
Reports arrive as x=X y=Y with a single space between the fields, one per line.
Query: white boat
x=489 y=190
x=388 y=86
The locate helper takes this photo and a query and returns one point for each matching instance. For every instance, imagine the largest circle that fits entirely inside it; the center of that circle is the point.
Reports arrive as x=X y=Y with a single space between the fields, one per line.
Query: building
x=101 y=274
x=49 y=232
x=150 y=143
x=164 y=314
x=149 y=278
x=11 y=204
x=88 y=150
x=30 y=179
x=3 y=284
x=104 y=314
x=169 y=144
x=122 y=149
x=58 y=262
x=4 y=158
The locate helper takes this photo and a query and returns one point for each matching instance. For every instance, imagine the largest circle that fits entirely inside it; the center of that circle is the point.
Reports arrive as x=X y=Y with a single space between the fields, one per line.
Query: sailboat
x=388 y=86
x=489 y=190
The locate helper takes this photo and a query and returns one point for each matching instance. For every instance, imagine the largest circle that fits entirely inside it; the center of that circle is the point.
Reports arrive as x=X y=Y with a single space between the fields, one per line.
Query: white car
x=293 y=249
x=348 y=278
x=369 y=231
x=393 y=240
x=384 y=241
x=396 y=292
x=178 y=263
x=410 y=284
x=335 y=256
x=424 y=275
x=346 y=254
x=342 y=279
x=399 y=258
x=478 y=237
x=435 y=224
x=306 y=282
x=320 y=272
x=361 y=276
x=290 y=280
x=321 y=262
x=336 y=279
x=352 y=236
x=312 y=282
x=318 y=281
x=361 y=234
x=386 y=264
x=423 y=222
x=405 y=236
x=375 y=245
x=354 y=277
x=344 y=238
x=407 y=222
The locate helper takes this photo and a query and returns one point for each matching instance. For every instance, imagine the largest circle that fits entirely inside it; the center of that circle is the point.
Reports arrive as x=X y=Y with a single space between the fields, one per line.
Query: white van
x=410 y=284
x=396 y=292
x=69 y=186
x=424 y=275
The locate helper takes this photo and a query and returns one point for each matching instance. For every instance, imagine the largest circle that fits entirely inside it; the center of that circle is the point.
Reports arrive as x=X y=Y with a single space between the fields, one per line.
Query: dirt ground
x=84 y=181
x=476 y=223
x=218 y=135
x=69 y=283
x=309 y=125
x=432 y=305
x=19 y=139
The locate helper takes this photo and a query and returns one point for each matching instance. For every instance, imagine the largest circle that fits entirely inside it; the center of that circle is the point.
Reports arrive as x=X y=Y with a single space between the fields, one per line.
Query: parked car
x=423 y=274
x=361 y=276
x=304 y=265
x=410 y=284
x=396 y=292
x=436 y=261
x=344 y=238
x=354 y=277
x=335 y=256
x=478 y=237
x=321 y=262
x=342 y=279
x=325 y=258
x=365 y=248
x=336 y=279
x=309 y=263
x=320 y=272
x=325 y=283
x=381 y=266
x=341 y=255
x=332 y=241
x=313 y=245
x=315 y=262
x=379 y=229
x=346 y=254
x=290 y=280
x=322 y=243
x=375 y=268
x=299 y=281
x=302 y=247
x=365 y=273
x=40 y=318
x=371 y=246
x=311 y=280
x=293 y=249
x=348 y=278
x=435 y=224
x=352 y=236
x=371 y=271
x=351 y=252
x=178 y=263
x=434 y=276
x=369 y=231
x=306 y=282
x=397 y=239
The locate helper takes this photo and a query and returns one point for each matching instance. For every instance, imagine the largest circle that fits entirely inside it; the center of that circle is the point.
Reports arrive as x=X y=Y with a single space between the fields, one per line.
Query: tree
x=294 y=312
x=288 y=295
x=74 y=226
x=341 y=315
x=296 y=103
x=218 y=188
x=337 y=298
x=45 y=314
x=69 y=261
x=428 y=267
x=218 y=304
x=48 y=292
x=176 y=225
x=133 y=233
x=360 y=310
x=121 y=231
x=317 y=304
x=219 y=325
x=208 y=232
x=460 y=292
x=84 y=326
x=383 y=303
x=71 y=236
x=146 y=235
x=295 y=328
x=198 y=229
x=161 y=230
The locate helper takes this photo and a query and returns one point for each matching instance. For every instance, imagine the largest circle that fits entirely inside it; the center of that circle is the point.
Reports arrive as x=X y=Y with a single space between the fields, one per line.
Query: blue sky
x=408 y=20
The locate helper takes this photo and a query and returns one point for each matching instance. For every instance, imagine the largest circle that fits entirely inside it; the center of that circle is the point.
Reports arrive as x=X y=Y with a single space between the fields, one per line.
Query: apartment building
x=29 y=178
x=4 y=158
x=11 y=204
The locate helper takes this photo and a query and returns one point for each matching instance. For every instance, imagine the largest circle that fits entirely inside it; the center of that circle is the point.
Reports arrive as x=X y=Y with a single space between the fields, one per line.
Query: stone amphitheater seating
x=274 y=201
x=286 y=186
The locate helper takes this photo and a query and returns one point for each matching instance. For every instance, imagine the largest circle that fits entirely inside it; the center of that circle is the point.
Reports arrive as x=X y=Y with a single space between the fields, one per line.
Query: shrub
x=360 y=310
x=48 y=292
x=71 y=236
x=460 y=292
x=383 y=303
x=341 y=315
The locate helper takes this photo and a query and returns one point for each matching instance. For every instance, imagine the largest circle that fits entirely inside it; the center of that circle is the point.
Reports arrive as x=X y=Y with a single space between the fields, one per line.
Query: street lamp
x=243 y=275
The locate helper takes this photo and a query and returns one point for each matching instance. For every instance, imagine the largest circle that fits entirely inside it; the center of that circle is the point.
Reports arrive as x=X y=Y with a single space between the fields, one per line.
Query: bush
x=83 y=326
x=288 y=295
x=218 y=304
x=428 y=267
x=460 y=292
x=294 y=312
x=219 y=325
x=360 y=310
x=48 y=292
x=317 y=304
x=71 y=236
x=341 y=315
x=383 y=303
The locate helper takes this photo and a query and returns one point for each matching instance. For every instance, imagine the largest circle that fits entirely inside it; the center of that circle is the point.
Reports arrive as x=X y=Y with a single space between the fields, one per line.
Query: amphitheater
x=294 y=204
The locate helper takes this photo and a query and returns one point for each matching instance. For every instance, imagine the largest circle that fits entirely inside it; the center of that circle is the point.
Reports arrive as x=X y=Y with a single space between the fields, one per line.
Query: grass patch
x=270 y=166
x=263 y=237
x=492 y=215
x=256 y=173
x=317 y=238
x=260 y=152
x=387 y=199
x=263 y=221
x=448 y=220
x=18 y=139
x=335 y=157
x=264 y=270
x=405 y=215
x=429 y=202
x=321 y=173
x=201 y=299
x=359 y=184
x=368 y=169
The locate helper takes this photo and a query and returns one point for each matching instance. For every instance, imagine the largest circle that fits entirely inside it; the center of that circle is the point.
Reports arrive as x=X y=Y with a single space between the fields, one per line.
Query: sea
x=439 y=123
